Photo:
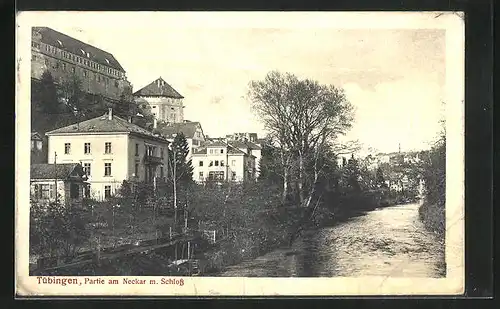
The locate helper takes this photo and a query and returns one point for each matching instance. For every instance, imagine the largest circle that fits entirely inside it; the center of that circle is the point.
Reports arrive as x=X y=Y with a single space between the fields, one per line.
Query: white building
x=111 y=150
x=220 y=161
x=250 y=149
x=165 y=102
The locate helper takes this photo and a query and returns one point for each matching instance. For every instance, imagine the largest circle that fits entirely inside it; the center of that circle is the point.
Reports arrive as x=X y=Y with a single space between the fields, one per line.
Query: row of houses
x=92 y=158
x=95 y=156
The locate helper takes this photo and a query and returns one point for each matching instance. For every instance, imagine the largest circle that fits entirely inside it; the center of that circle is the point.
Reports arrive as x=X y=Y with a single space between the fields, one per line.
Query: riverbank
x=433 y=216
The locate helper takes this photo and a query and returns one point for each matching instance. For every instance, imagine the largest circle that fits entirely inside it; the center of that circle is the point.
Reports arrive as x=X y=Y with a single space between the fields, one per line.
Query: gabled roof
x=62 y=41
x=36 y=136
x=103 y=124
x=160 y=88
x=57 y=171
x=187 y=128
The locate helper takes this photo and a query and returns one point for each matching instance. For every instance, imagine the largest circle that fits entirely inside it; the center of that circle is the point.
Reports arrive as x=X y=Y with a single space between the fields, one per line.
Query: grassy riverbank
x=434 y=217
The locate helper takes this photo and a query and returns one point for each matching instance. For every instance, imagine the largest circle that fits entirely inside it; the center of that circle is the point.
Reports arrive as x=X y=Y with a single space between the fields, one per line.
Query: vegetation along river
x=390 y=241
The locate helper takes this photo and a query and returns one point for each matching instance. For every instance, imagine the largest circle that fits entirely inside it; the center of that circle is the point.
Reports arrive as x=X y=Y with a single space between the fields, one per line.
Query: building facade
x=193 y=132
x=63 y=183
x=111 y=150
x=219 y=161
x=64 y=57
x=165 y=102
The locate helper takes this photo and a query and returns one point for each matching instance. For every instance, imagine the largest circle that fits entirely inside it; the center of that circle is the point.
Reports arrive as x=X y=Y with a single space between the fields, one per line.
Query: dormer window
x=60 y=43
x=83 y=52
x=107 y=61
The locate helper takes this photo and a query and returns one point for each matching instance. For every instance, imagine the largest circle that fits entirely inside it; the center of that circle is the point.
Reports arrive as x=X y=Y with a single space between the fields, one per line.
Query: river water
x=390 y=241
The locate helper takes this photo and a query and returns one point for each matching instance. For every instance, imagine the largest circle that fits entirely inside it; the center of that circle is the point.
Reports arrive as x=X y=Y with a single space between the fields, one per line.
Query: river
x=389 y=241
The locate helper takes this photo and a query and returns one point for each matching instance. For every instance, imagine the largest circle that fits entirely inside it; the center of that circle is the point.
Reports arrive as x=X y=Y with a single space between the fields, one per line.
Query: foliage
x=178 y=157
x=55 y=229
x=303 y=118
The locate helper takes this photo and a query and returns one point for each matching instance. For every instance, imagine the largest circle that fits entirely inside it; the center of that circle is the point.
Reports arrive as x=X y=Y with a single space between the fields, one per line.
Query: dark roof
x=187 y=128
x=216 y=144
x=36 y=136
x=103 y=124
x=240 y=144
x=48 y=171
x=51 y=37
x=159 y=87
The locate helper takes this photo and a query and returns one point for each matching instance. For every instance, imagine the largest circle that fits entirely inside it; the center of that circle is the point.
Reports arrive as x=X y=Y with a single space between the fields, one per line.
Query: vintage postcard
x=239 y=153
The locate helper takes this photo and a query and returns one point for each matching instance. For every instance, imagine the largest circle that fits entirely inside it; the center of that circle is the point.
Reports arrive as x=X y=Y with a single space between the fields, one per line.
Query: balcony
x=152 y=160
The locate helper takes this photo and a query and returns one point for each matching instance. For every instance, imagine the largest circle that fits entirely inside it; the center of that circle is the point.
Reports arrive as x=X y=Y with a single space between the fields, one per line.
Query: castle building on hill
x=64 y=56
x=165 y=102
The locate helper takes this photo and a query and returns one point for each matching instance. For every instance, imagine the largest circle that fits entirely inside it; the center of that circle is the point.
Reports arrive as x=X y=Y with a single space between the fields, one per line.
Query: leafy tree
x=180 y=171
x=45 y=105
x=380 y=179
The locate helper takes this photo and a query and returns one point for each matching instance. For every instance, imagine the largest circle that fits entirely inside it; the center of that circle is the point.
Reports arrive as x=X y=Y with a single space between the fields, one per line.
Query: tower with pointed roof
x=165 y=102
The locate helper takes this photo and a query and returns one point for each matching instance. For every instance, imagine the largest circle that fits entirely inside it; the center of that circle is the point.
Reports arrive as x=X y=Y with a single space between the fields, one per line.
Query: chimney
x=155 y=123
x=110 y=113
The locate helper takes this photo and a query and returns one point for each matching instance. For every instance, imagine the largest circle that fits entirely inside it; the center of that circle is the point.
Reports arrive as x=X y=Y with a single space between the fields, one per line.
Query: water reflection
x=387 y=242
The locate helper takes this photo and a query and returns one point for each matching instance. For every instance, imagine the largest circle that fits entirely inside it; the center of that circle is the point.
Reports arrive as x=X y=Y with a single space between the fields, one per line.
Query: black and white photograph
x=199 y=153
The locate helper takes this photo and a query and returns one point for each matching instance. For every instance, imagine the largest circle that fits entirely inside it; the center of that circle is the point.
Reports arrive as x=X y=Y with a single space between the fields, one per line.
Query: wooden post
x=55 y=175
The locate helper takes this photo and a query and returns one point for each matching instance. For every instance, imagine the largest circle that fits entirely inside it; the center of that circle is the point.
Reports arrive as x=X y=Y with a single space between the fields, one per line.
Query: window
x=136 y=169
x=64 y=66
x=154 y=106
x=216 y=162
x=44 y=191
x=85 y=73
x=74 y=190
x=67 y=148
x=107 y=191
x=33 y=57
x=219 y=175
x=161 y=153
x=211 y=163
x=116 y=83
x=136 y=149
x=86 y=148
x=201 y=175
x=73 y=69
x=57 y=65
x=86 y=168
x=222 y=163
x=161 y=171
x=98 y=77
x=233 y=175
x=233 y=162
x=107 y=169
x=201 y=163
x=107 y=147
x=222 y=151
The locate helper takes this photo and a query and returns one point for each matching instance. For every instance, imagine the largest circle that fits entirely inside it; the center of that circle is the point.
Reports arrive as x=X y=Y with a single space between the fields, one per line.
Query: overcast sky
x=395 y=78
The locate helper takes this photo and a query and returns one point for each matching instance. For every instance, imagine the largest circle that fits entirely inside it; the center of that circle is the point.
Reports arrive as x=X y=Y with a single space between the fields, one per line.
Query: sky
x=394 y=77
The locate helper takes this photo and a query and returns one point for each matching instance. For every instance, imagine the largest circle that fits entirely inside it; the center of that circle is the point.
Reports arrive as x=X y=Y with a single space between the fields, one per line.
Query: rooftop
x=57 y=171
x=64 y=42
x=103 y=124
x=160 y=88
x=170 y=130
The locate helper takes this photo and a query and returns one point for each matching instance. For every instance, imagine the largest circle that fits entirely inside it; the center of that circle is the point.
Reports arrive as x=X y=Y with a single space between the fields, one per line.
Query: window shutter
x=51 y=191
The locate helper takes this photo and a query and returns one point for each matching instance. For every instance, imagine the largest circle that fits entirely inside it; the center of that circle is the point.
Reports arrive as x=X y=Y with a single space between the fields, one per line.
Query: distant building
x=65 y=182
x=250 y=149
x=219 y=161
x=110 y=150
x=192 y=130
x=38 y=154
x=64 y=56
x=165 y=102
x=250 y=137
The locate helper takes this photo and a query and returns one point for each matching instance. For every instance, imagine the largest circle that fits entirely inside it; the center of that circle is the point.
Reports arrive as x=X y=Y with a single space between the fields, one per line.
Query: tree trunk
x=301 y=178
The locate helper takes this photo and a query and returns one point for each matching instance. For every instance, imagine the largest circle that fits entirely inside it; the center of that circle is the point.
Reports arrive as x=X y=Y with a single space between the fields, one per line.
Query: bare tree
x=303 y=116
